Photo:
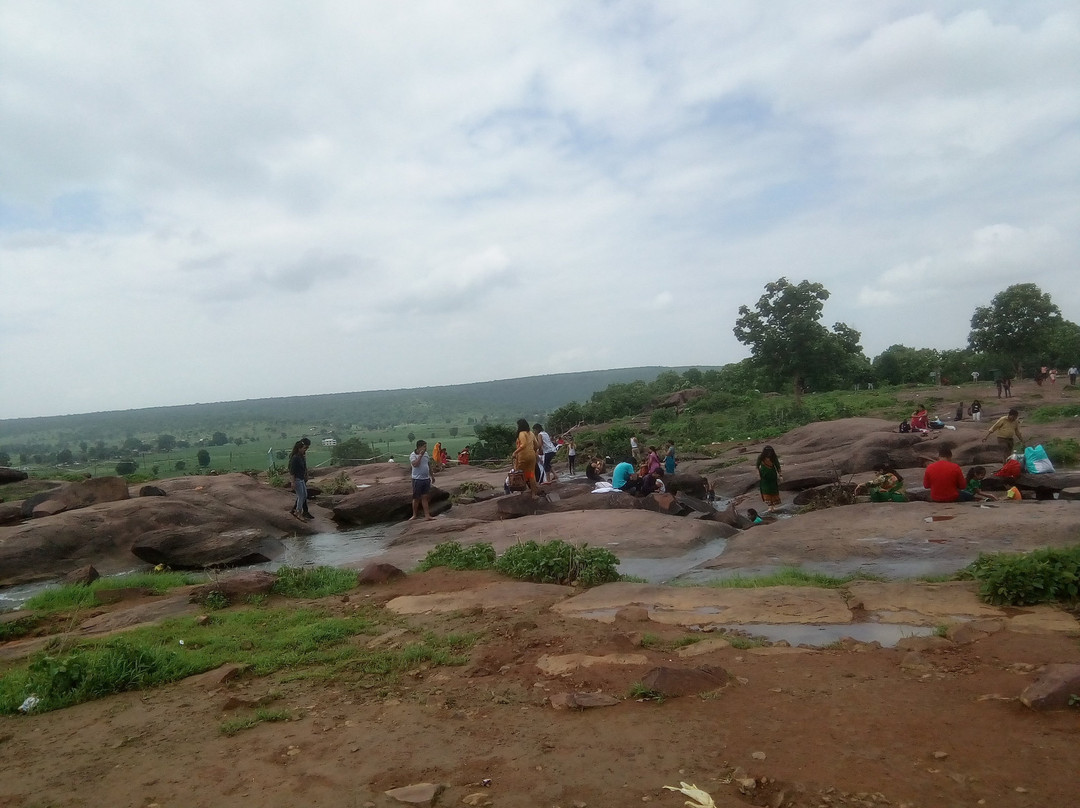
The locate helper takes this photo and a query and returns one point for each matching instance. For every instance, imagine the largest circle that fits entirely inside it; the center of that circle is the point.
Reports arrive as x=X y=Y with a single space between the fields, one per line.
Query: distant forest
x=496 y=401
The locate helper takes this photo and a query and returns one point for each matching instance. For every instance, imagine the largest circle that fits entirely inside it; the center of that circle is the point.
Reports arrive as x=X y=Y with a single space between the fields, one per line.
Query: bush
x=180 y=465
x=203 y=457
x=313 y=582
x=125 y=467
x=338 y=484
x=1062 y=451
x=558 y=562
x=1043 y=576
x=452 y=555
x=352 y=452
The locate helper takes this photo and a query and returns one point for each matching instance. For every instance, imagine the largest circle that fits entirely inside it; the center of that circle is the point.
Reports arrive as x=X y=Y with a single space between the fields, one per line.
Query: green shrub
x=340 y=483
x=1062 y=451
x=558 y=562
x=313 y=582
x=450 y=554
x=1042 y=576
x=1053 y=412
x=81 y=596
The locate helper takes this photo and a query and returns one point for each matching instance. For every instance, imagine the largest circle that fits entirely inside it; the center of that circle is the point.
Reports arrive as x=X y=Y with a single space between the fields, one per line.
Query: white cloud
x=197 y=198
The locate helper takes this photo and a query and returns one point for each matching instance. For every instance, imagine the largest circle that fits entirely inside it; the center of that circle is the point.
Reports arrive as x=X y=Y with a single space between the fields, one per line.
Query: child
x=974 y=484
x=769 y=475
x=976 y=410
x=754 y=517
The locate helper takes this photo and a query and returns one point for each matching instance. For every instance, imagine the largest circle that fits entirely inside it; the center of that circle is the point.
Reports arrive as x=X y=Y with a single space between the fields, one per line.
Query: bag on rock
x=1036 y=460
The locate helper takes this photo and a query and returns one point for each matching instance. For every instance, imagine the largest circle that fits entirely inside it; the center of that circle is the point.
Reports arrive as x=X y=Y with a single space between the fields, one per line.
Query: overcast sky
x=209 y=201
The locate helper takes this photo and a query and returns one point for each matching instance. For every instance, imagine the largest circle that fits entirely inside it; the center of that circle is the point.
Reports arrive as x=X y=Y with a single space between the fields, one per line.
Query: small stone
x=940 y=755
x=415 y=794
x=758 y=755
x=1021 y=790
x=476 y=798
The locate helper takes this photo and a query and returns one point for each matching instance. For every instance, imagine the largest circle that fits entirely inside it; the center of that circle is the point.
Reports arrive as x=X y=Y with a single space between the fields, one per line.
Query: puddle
x=887 y=634
x=659 y=570
x=344 y=549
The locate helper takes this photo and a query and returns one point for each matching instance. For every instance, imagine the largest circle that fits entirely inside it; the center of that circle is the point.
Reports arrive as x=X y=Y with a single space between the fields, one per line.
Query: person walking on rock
x=422 y=480
x=769 y=475
x=298 y=472
x=1007 y=431
x=525 y=451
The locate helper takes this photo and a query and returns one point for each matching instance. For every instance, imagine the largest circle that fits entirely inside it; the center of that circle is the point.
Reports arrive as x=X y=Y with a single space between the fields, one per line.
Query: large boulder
x=76 y=495
x=192 y=548
x=384 y=502
x=8 y=475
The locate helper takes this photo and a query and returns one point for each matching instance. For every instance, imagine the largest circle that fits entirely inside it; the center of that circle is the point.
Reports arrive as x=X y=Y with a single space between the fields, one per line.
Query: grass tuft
x=313 y=582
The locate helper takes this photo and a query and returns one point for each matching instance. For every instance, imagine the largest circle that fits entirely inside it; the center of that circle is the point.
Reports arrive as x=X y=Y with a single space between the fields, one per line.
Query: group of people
x=534 y=451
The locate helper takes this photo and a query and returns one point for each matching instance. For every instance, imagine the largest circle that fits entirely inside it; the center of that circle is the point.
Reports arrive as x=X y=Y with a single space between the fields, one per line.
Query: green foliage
x=558 y=562
x=640 y=692
x=1053 y=412
x=313 y=582
x=450 y=554
x=1041 y=576
x=615 y=443
x=340 y=483
x=215 y=601
x=81 y=596
x=353 y=452
x=790 y=576
x=1021 y=323
x=126 y=467
x=14 y=629
x=203 y=456
x=1063 y=452
x=261 y=715
x=494 y=442
x=791 y=347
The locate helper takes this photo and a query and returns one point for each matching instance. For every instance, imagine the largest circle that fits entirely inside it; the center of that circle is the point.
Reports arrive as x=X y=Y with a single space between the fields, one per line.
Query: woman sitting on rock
x=888 y=486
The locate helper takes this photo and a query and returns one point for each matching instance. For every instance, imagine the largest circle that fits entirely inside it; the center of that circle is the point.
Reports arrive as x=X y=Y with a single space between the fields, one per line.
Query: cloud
x=511 y=198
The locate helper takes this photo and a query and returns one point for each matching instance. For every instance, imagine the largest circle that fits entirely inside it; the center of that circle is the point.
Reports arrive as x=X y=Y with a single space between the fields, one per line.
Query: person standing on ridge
x=422 y=480
x=298 y=472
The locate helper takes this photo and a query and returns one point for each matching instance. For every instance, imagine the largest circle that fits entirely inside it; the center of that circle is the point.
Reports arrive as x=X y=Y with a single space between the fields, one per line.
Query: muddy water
x=887 y=634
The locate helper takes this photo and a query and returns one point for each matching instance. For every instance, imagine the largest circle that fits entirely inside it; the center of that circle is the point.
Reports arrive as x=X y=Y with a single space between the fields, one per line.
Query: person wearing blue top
x=625 y=478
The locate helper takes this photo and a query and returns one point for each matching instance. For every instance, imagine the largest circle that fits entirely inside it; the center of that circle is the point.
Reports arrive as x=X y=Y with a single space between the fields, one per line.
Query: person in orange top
x=946 y=480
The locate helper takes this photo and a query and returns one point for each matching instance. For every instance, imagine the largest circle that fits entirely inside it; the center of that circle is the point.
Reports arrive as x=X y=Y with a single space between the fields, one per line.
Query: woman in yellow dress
x=525 y=452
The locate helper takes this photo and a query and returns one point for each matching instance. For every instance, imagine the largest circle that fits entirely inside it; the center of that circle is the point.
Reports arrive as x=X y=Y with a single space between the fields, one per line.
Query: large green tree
x=788 y=343
x=1020 y=323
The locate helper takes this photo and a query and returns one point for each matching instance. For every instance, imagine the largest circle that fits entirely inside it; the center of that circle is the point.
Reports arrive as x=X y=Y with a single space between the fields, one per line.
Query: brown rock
x=117 y=595
x=192 y=548
x=930 y=643
x=83 y=575
x=9 y=475
x=633 y=614
x=415 y=794
x=379 y=574
x=76 y=495
x=1054 y=689
x=965 y=634
x=385 y=502
x=214 y=679
x=151 y=491
x=581 y=701
x=236 y=587
x=10 y=513
x=685 y=681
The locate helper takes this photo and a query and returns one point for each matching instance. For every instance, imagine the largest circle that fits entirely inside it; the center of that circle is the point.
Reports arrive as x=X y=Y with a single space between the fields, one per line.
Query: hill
x=502 y=400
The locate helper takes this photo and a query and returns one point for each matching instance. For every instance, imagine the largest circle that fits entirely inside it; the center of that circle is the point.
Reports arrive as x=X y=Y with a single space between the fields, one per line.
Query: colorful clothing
x=946 y=481
x=769 y=484
x=669 y=460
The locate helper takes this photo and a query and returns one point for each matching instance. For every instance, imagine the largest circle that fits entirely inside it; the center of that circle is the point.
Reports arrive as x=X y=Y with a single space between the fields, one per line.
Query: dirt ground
x=853 y=725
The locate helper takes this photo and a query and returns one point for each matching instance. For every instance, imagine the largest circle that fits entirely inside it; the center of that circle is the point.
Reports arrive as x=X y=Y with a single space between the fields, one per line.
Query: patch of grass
x=267 y=640
x=480 y=556
x=1053 y=412
x=260 y=716
x=81 y=596
x=1046 y=575
x=640 y=692
x=18 y=628
x=743 y=643
x=340 y=483
x=313 y=582
x=558 y=562
x=1062 y=451
x=941 y=630
x=789 y=576
x=650 y=641
x=656 y=643
x=468 y=490
x=633 y=579
x=215 y=601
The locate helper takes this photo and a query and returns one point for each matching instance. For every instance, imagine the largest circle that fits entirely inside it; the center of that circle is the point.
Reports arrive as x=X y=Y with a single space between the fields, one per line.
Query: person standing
x=769 y=477
x=635 y=450
x=1007 y=384
x=299 y=473
x=976 y=410
x=524 y=457
x=1007 y=431
x=1072 y=374
x=946 y=480
x=548 y=450
x=669 y=459
x=571 y=454
x=422 y=480
x=1000 y=385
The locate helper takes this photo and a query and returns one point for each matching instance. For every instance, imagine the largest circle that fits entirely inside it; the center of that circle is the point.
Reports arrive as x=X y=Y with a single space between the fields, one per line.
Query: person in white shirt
x=547 y=449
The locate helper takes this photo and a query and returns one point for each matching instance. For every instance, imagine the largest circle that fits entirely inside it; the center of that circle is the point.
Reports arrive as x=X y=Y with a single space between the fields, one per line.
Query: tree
x=5 y=459
x=166 y=443
x=64 y=456
x=411 y=437
x=352 y=452
x=1020 y=323
x=453 y=432
x=125 y=467
x=219 y=439
x=787 y=341
x=494 y=442
x=204 y=458
x=899 y=364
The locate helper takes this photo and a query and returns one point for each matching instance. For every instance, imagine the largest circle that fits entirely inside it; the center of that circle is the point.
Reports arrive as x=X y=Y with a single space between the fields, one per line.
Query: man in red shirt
x=945 y=479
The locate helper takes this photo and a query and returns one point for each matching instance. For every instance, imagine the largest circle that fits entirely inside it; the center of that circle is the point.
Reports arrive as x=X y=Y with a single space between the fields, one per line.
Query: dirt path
x=933 y=728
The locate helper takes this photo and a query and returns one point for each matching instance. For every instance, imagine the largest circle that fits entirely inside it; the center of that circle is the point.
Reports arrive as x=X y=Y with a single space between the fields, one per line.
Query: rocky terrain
x=877 y=693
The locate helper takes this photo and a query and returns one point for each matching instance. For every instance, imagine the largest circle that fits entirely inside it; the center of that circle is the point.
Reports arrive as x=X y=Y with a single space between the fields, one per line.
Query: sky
x=219 y=200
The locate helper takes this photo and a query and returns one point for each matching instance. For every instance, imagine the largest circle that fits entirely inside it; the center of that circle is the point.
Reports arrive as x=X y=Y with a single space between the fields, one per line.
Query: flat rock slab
x=497 y=595
x=158 y=609
x=416 y=794
x=686 y=606
x=562 y=664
